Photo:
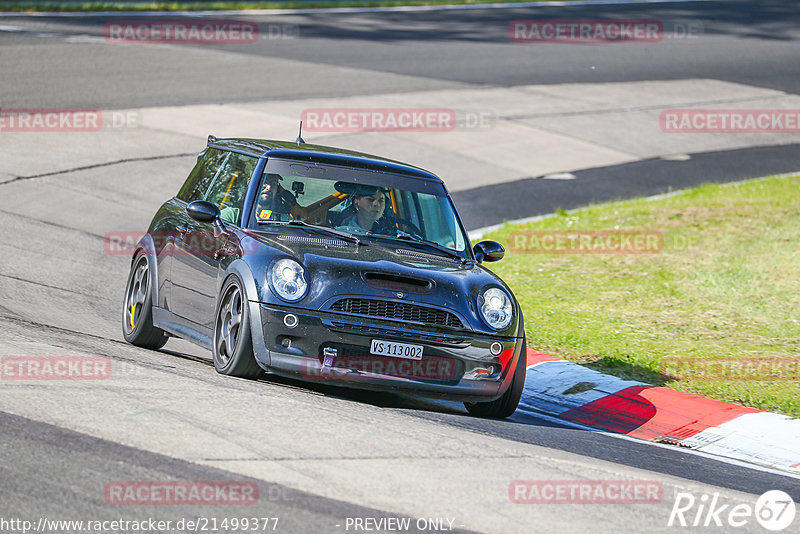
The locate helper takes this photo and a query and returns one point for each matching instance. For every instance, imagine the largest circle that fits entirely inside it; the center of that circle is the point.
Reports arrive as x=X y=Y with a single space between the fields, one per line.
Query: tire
x=507 y=404
x=232 y=343
x=137 y=312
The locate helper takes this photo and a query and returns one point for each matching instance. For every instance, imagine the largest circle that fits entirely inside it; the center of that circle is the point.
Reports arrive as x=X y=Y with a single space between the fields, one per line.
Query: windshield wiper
x=338 y=233
x=401 y=235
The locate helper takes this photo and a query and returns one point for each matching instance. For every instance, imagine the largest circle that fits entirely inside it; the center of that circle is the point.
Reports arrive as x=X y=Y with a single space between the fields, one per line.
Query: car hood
x=379 y=269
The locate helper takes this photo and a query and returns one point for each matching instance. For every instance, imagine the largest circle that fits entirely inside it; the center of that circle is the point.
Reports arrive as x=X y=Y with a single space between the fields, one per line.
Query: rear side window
x=202 y=175
x=229 y=188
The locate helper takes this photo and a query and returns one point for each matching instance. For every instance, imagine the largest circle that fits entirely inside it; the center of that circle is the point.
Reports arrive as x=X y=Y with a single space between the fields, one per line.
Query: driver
x=369 y=204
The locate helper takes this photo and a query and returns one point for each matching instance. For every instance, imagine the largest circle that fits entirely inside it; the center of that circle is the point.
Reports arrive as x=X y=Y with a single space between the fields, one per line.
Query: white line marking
x=559 y=176
x=676 y=157
x=37 y=33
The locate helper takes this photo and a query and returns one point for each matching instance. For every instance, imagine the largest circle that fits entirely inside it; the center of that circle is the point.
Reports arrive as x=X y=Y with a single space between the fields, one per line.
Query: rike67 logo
x=774 y=510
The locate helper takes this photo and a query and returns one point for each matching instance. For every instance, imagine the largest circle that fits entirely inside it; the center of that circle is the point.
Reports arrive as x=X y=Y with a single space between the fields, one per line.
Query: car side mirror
x=488 y=251
x=202 y=211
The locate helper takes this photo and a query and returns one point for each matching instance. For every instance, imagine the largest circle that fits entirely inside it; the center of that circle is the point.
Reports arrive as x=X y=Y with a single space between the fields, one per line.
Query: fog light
x=290 y=320
x=496 y=348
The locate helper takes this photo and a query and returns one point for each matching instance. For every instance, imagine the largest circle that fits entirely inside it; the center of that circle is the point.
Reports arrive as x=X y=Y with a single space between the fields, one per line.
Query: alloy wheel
x=137 y=293
x=230 y=319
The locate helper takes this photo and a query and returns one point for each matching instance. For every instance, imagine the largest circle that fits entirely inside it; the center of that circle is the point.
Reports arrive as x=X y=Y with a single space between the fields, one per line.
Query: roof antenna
x=299 y=139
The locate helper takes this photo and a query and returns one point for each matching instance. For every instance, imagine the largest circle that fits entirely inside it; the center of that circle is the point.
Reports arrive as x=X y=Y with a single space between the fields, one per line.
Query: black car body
x=261 y=258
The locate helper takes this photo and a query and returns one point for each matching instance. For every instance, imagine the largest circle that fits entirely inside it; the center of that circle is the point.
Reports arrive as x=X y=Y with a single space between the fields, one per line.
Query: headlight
x=288 y=279
x=496 y=308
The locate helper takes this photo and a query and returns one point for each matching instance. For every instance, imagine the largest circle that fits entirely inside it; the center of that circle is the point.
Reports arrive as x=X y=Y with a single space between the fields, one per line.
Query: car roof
x=319 y=154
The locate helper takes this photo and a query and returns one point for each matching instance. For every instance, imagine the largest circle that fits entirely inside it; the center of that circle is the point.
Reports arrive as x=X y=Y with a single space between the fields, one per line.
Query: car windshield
x=358 y=201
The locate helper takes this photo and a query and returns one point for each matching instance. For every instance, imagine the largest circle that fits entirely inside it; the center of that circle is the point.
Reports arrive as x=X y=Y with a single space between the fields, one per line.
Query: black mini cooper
x=328 y=266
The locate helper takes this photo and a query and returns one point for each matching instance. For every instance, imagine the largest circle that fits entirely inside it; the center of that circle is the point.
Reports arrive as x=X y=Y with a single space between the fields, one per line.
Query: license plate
x=397 y=350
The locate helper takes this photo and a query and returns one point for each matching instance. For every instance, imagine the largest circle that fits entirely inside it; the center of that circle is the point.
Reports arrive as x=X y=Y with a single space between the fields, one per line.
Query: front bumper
x=455 y=365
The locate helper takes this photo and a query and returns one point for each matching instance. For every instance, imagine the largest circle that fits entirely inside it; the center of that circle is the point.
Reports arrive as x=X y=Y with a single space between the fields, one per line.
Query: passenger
x=230 y=201
x=229 y=214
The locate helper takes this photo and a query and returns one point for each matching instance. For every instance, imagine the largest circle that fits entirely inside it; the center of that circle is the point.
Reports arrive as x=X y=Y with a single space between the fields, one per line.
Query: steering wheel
x=414 y=229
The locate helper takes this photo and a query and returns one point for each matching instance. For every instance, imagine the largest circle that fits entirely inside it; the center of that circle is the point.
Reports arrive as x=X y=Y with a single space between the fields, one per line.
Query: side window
x=230 y=186
x=202 y=175
x=440 y=227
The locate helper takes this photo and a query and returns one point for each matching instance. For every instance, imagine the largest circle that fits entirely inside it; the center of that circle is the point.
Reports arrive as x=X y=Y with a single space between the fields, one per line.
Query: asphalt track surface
x=753 y=43
x=63 y=63
x=321 y=455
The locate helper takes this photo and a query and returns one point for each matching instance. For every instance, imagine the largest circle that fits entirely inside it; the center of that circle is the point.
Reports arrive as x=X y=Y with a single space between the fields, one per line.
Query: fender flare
x=506 y=383
x=147 y=245
x=241 y=270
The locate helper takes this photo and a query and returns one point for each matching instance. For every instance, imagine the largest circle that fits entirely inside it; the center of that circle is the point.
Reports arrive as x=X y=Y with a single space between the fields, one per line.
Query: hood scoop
x=396 y=282
x=318 y=241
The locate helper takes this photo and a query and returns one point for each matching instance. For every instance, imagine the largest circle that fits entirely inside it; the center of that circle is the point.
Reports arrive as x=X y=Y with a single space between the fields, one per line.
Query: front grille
x=397 y=311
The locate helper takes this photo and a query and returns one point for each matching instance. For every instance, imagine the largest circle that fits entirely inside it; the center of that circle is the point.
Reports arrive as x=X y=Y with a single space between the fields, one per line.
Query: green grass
x=206 y=5
x=726 y=285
